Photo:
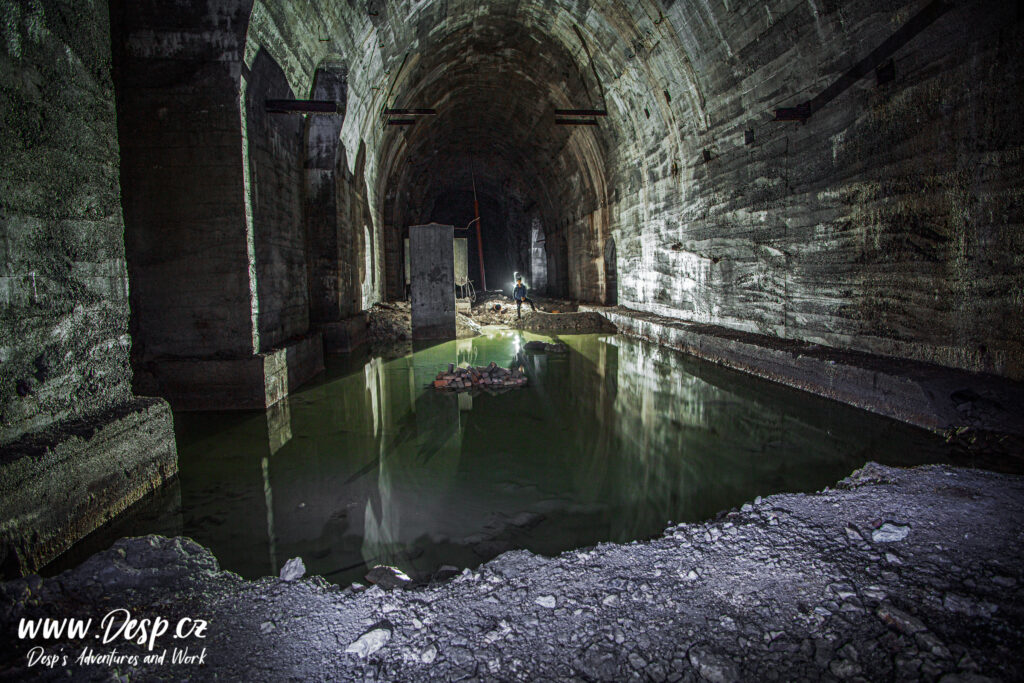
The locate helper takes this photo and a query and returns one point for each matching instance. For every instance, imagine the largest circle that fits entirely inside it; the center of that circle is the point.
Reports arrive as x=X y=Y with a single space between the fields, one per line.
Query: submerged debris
x=545 y=347
x=483 y=377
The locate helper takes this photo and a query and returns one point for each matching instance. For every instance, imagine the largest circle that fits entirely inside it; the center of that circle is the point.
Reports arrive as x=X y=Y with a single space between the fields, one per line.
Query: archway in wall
x=611 y=279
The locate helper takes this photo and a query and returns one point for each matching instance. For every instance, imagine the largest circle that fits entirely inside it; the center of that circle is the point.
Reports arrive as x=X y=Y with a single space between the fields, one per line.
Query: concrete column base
x=59 y=485
x=252 y=383
x=343 y=336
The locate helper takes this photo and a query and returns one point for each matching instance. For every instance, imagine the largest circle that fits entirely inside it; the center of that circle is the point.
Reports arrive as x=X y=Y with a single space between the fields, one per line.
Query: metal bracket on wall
x=405 y=117
x=876 y=60
x=578 y=117
x=301 y=107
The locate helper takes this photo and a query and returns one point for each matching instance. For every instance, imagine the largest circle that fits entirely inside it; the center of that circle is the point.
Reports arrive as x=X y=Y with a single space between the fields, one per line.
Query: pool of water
x=370 y=465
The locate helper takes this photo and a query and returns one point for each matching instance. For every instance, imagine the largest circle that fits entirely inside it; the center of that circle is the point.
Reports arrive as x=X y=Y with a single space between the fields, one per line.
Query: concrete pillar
x=432 y=265
x=213 y=229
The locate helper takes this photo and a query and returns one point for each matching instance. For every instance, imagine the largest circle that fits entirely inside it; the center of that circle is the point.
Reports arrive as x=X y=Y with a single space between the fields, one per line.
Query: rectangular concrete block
x=249 y=383
x=58 y=485
x=432 y=270
x=343 y=336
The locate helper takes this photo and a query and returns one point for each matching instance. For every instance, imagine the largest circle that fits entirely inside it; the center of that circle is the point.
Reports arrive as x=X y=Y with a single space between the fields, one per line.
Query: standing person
x=519 y=294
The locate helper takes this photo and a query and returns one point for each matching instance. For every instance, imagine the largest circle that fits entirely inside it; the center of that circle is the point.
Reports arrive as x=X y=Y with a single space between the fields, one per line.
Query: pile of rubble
x=389 y=327
x=494 y=308
x=488 y=377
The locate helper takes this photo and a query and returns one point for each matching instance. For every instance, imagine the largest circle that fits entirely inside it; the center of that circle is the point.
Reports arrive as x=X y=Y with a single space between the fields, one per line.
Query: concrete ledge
x=344 y=336
x=252 y=383
x=291 y=366
x=929 y=396
x=58 y=485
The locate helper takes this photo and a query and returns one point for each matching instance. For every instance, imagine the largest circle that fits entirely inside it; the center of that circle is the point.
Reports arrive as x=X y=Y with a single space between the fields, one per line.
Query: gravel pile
x=896 y=574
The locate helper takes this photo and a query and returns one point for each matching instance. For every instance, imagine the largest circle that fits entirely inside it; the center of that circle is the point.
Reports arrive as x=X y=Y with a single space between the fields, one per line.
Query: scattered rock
x=369 y=642
x=783 y=603
x=900 y=620
x=713 y=667
x=547 y=601
x=967 y=606
x=428 y=654
x=890 y=533
x=388 y=577
x=571 y=323
x=293 y=569
x=489 y=378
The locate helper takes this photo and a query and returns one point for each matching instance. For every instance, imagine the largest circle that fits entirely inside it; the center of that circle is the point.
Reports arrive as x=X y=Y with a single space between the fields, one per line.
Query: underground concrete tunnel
x=766 y=421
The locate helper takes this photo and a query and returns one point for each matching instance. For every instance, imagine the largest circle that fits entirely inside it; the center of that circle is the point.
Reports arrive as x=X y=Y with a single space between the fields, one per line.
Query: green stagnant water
x=370 y=465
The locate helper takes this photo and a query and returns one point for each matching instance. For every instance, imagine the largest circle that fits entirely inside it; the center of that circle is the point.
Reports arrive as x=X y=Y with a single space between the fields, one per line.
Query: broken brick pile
x=484 y=377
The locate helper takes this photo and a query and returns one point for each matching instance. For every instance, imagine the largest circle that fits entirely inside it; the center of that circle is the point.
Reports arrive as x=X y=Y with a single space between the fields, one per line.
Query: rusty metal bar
x=305 y=106
x=903 y=35
x=479 y=239
x=410 y=112
x=575 y=122
x=400 y=122
x=581 y=112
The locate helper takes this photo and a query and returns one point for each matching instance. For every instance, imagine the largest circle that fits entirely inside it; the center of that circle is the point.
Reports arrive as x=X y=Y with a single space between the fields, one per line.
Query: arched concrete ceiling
x=495 y=73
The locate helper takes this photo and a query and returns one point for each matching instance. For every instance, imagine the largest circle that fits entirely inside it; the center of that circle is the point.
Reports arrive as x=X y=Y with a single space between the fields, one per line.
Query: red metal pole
x=479 y=240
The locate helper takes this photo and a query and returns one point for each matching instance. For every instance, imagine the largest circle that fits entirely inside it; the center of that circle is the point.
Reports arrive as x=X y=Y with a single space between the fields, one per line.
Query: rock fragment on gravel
x=890 y=533
x=370 y=642
x=293 y=569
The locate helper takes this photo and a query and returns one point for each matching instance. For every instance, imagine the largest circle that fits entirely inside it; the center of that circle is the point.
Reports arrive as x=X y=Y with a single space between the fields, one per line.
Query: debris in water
x=547 y=348
x=490 y=377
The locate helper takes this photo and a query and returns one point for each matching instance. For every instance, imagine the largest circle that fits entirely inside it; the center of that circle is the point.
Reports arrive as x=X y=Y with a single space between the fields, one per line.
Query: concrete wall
x=76 y=447
x=213 y=188
x=63 y=287
x=275 y=145
x=178 y=80
x=325 y=249
x=890 y=222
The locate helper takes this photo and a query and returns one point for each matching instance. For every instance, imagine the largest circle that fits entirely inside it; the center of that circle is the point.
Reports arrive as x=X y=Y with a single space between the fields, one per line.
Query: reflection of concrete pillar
x=279 y=425
x=372 y=371
x=431 y=260
x=268 y=497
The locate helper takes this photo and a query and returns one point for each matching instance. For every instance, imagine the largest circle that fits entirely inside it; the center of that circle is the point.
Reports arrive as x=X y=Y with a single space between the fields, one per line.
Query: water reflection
x=607 y=443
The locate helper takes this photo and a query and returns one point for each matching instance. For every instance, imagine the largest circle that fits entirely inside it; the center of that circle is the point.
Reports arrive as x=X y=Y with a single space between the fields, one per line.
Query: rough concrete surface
x=63 y=284
x=432 y=281
x=895 y=574
x=58 y=485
